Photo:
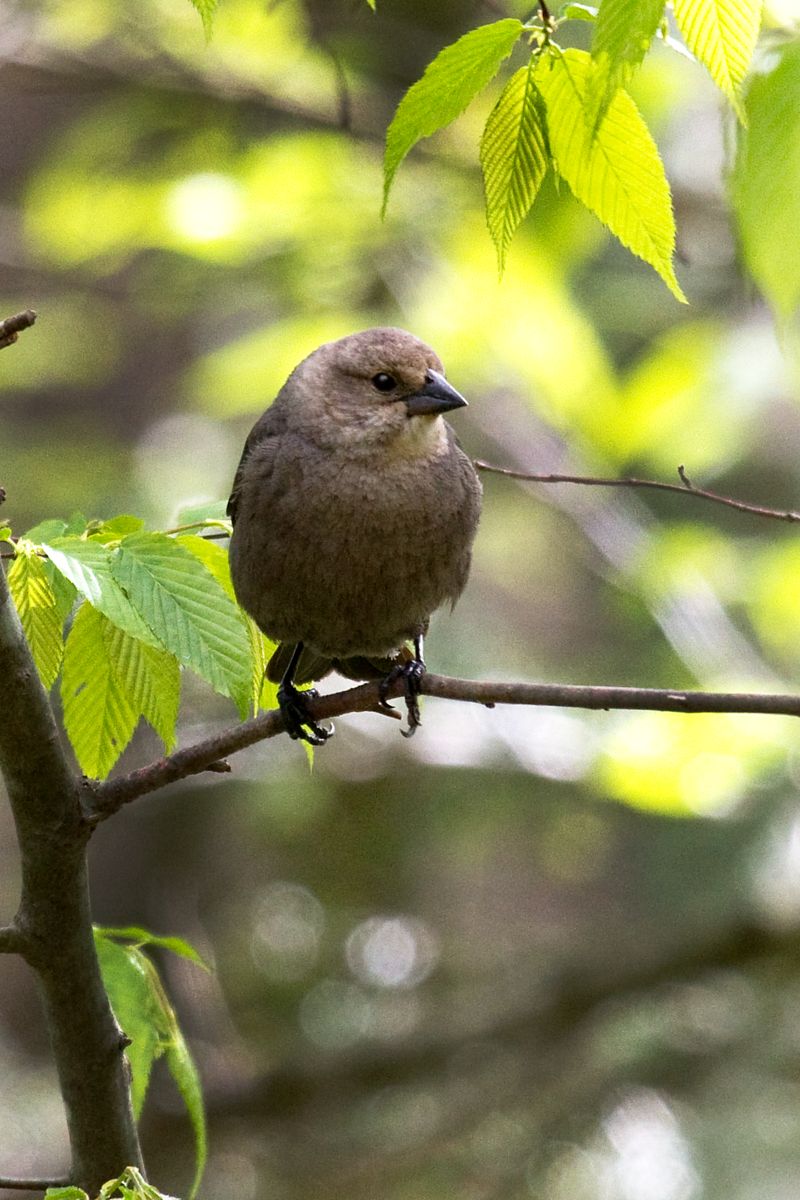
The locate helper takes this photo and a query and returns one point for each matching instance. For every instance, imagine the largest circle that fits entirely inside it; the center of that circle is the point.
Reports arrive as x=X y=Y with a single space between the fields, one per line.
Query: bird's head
x=382 y=387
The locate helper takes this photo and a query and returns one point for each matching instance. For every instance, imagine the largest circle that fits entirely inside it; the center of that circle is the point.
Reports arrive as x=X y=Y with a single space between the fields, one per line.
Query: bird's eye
x=384 y=382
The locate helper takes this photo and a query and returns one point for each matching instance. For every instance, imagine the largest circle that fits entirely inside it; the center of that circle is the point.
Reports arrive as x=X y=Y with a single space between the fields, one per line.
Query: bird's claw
x=411 y=673
x=300 y=725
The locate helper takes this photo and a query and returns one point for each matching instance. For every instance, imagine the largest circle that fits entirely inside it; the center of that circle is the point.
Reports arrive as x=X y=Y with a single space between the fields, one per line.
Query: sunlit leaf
x=184 y=1071
x=88 y=566
x=189 y=610
x=621 y=38
x=618 y=173
x=514 y=158
x=115 y=528
x=450 y=82
x=99 y=715
x=206 y=8
x=38 y=610
x=65 y=1193
x=723 y=35
x=143 y=937
x=137 y=1008
x=150 y=678
x=765 y=185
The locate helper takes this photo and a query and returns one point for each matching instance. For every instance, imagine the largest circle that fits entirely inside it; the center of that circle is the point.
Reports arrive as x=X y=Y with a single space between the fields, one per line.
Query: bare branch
x=32 y=1185
x=103 y=799
x=12 y=327
x=685 y=488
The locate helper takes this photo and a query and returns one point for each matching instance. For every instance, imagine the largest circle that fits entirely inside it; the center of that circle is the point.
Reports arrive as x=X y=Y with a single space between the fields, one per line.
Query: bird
x=353 y=511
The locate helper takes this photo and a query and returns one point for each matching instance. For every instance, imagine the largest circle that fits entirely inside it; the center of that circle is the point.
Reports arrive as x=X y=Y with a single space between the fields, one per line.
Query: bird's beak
x=435 y=396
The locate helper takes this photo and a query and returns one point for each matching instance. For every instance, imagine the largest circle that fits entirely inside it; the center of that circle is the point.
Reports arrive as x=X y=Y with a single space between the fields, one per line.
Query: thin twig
x=103 y=799
x=684 y=488
x=12 y=327
x=32 y=1185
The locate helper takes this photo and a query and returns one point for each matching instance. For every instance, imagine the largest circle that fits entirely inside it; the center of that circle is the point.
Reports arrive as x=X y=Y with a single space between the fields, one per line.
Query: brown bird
x=354 y=511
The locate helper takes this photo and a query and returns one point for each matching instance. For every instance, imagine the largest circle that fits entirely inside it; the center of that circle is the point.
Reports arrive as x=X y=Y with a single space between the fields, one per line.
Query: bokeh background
x=531 y=953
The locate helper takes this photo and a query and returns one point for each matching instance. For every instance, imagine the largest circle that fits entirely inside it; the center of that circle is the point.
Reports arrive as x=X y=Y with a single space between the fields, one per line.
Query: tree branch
x=32 y=1185
x=12 y=327
x=55 y=919
x=103 y=799
x=684 y=488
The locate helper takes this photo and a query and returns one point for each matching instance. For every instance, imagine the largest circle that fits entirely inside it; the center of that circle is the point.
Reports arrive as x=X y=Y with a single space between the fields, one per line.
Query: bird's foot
x=300 y=725
x=411 y=673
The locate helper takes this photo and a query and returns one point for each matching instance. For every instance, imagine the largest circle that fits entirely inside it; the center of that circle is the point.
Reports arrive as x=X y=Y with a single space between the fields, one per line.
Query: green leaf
x=621 y=38
x=371 y=3
x=578 y=12
x=38 y=610
x=5 y=533
x=514 y=158
x=143 y=937
x=214 y=511
x=65 y=1193
x=263 y=692
x=206 y=8
x=723 y=35
x=450 y=82
x=150 y=678
x=64 y=591
x=98 y=713
x=137 y=1007
x=213 y=558
x=45 y=531
x=765 y=185
x=189 y=610
x=617 y=173
x=88 y=565
x=184 y=1071
x=115 y=528
x=143 y=1010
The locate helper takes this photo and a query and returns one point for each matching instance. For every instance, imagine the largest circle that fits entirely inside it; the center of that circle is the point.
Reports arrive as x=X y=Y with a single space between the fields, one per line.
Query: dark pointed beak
x=435 y=396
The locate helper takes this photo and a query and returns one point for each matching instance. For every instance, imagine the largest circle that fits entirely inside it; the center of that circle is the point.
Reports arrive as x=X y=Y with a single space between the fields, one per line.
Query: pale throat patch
x=421 y=437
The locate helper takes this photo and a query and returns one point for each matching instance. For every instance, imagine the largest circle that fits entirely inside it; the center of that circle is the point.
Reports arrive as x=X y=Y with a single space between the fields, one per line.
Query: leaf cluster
x=117 y=612
x=567 y=110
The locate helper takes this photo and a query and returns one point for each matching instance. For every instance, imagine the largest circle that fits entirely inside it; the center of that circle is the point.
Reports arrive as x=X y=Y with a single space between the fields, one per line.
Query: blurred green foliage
x=189 y=221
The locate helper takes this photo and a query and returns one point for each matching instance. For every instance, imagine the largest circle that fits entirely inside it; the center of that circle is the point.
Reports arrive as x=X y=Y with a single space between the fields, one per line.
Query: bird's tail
x=313 y=666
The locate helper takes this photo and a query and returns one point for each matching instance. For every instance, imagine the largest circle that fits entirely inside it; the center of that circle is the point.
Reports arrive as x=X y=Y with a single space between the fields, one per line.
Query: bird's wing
x=270 y=425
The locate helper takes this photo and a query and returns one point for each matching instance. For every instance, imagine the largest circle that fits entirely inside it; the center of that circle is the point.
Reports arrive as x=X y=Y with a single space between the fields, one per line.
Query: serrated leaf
x=618 y=173
x=45 y=531
x=150 y=678
x=723 y=35
x=213 y=558
x=188 y=609
x=65 y=592
x=206 y=8
x=450 y=82
x=263 y=692
x=514 y=158
x=38 y=610
x=98 y=714
x=143 y=937
x=184 y=1071
x=621 y=38
x=136 y=1006
x=88 y=566
x=765 y=184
